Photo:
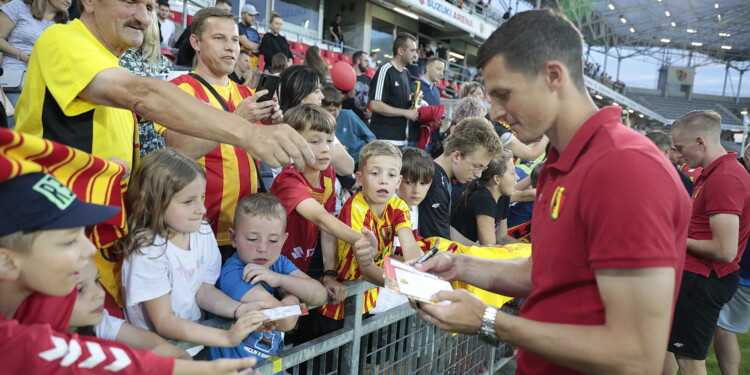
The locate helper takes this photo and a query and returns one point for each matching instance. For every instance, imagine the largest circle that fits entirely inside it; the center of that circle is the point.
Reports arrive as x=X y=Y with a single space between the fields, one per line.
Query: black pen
x=430 y=253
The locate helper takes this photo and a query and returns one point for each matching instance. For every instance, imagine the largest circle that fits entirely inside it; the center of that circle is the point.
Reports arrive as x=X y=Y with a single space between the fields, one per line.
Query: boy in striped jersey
x=380 y=216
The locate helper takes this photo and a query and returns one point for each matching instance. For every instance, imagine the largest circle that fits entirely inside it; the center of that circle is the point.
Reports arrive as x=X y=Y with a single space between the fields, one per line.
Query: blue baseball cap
x=37 y=201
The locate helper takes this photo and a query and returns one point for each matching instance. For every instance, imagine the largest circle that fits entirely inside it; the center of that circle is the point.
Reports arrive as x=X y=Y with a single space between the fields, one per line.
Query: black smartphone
x=268 y=82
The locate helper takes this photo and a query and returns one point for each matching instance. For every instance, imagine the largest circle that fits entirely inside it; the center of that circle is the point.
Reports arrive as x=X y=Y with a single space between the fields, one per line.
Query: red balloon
x=343 y=76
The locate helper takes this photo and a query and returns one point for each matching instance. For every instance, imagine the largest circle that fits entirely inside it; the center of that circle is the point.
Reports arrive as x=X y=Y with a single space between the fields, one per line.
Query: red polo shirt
x=722 y=188
x=610 y=200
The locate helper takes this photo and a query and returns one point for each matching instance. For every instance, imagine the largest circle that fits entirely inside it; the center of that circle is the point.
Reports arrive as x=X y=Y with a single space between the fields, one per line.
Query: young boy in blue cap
x=43 y=248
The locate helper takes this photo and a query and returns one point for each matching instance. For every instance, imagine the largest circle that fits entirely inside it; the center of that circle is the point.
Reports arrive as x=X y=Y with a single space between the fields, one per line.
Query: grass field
x=744 y=339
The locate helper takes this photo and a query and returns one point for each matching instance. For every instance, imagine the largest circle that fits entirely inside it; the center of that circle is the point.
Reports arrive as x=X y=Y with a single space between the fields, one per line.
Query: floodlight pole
x=739 y=87
x=745 y=125
x=726 y=75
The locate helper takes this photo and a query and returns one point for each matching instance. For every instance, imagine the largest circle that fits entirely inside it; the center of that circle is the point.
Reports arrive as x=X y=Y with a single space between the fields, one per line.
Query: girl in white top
x=171 y=259
x=89 y=312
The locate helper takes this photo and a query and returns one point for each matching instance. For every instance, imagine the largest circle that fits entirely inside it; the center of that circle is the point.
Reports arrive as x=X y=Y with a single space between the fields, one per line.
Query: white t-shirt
x=167 y=30
x=109 y=327
x=170 y=270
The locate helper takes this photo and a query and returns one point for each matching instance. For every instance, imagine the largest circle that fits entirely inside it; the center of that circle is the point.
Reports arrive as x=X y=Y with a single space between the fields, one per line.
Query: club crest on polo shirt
x=697 y=191
x=55 y=192
x=558 y=198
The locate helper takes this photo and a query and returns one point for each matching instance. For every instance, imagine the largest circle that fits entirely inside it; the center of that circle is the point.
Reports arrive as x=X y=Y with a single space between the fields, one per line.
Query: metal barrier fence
x=394 y=342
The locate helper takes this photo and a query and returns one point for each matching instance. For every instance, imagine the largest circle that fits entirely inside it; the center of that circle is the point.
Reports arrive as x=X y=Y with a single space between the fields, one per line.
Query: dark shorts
x=697 y=311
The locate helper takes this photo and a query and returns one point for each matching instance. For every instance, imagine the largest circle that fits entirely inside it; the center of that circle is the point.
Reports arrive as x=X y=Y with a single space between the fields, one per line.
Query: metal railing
x=393 y=342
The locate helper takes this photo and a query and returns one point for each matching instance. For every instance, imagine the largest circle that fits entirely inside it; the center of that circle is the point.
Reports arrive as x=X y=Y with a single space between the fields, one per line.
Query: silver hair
x=468 y=107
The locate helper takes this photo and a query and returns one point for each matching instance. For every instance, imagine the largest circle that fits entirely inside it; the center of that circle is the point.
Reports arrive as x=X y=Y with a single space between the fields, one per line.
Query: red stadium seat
x=345 y=58
x=261 y=62
x=297 y=60
x=168 y=54
x=371 y=72
x=303 y=47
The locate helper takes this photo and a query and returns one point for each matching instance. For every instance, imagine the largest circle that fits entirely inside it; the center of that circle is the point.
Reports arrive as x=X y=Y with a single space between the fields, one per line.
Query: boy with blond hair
x=380 y=216
x=43 y=249
x=467 y=153
x=257 y=273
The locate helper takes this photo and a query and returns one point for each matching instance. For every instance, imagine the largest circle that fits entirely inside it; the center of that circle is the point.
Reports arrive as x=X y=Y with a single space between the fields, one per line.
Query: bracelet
x=331 y=273
x=234 y=314
x=18 y=54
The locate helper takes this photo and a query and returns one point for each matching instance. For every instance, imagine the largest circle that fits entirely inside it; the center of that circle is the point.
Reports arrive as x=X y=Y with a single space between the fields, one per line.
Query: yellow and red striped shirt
x=92 y=179
x=356 y=213
x=230 y=171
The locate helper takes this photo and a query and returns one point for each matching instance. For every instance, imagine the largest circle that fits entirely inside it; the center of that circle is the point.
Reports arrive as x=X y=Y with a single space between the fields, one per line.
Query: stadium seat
x=296 y=60
x=261 y=62
x=303 y=47
x=166 y=52
x=371 y=72
x=345 y=58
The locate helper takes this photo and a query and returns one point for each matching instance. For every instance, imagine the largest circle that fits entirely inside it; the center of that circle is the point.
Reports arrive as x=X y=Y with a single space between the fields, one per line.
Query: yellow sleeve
x=68 y=71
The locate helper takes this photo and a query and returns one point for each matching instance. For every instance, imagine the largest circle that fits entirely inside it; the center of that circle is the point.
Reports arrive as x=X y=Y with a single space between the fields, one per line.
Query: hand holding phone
x=268 y=82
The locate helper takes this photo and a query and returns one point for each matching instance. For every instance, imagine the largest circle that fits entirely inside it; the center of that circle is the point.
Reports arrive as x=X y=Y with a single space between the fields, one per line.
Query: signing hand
x=254 y=273
x=444 y=264
x=463 y=315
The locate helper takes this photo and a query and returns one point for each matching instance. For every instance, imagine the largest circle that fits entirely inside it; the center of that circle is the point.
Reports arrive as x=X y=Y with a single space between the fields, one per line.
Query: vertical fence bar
x=353 y=321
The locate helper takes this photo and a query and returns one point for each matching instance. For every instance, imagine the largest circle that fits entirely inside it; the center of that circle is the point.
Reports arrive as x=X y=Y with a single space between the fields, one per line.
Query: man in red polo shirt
x=718 y=232
x=610 y=221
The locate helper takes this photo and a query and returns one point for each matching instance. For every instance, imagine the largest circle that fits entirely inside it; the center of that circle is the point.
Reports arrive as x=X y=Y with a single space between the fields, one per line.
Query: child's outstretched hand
x=336 y=290
x=365 y=248
x=244 y=325
x=254 y=273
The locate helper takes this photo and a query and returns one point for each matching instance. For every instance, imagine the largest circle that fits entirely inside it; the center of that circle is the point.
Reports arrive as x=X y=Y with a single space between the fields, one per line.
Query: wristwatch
x=487 y=331
x=331 y=273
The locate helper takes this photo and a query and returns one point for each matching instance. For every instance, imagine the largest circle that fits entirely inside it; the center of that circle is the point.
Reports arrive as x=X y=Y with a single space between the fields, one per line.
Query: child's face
x=469 y=167
x=508 y=179
x=54 y=262
x=185 y=211
x=334 y=110
x=258 y=239
x=90 y=302
x=380 y=178
x=411 y=192
x=322 y=146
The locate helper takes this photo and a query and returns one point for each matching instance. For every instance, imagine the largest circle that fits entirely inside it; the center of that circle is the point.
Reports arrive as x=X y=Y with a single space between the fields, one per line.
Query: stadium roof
x=719 y=29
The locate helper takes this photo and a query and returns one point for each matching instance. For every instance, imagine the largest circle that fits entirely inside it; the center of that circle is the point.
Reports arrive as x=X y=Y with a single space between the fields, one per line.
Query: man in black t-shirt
x=334 y=29
x=359 y=100
x=390 y=93
x=442 y=53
